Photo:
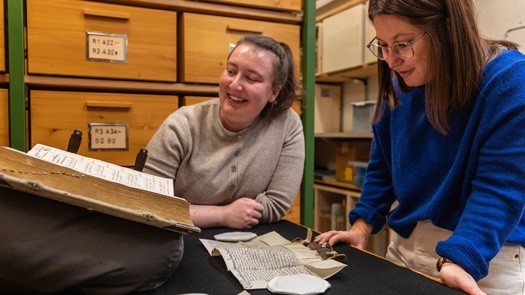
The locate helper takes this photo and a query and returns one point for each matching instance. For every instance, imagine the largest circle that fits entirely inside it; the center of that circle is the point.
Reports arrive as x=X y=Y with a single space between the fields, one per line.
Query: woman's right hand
x=351 y=237
x=242 y=213
x=357 y=236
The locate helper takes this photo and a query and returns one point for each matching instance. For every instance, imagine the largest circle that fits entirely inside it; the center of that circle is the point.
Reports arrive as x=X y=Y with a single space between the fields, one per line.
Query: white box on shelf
x=370 y=34
x=362 y=113
x=343 y=40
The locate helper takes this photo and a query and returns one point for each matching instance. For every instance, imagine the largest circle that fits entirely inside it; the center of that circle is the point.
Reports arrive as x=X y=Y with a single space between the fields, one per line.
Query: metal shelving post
x=307 y=189
x=15 y=65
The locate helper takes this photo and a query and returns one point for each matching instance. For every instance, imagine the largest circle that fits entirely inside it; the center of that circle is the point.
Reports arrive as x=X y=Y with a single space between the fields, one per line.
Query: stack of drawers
x=153 y=45
x=106 y=41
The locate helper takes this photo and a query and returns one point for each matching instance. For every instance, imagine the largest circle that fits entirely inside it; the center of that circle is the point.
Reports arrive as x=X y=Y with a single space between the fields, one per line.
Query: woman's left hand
x=456 y=277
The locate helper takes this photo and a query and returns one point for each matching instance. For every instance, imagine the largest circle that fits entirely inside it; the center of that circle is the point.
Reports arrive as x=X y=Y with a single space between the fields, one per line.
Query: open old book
x=95 y=185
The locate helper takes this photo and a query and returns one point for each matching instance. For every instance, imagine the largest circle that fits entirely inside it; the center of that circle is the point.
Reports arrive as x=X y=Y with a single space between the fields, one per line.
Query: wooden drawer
x=297 y=107
x=203 y=62
x=294 y=5
x=2 y=38
x=54 y=115
x=191 y=100
x=57 y=40
x=4 y=118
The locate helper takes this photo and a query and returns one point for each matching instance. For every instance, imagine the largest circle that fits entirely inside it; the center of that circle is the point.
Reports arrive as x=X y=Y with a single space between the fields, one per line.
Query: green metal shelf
x=15 y=66
x=307 y=189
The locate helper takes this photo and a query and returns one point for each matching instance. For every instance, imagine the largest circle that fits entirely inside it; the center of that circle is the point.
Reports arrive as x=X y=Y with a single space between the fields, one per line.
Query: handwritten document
x=103 y=170
x=256 y=262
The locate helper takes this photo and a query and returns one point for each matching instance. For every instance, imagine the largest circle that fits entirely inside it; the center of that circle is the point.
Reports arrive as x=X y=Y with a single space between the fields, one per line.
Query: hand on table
x=456 y=277
x=354 y=238
x=242 y=213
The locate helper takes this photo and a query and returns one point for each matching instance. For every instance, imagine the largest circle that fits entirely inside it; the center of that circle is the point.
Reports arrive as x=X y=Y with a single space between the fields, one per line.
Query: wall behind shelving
x=497 y=17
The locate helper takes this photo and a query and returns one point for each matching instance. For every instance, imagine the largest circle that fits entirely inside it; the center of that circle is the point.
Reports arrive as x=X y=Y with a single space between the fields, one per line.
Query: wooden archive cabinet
x=4 y=118
x=56 y=114
x=90 y=39
x=203 y=62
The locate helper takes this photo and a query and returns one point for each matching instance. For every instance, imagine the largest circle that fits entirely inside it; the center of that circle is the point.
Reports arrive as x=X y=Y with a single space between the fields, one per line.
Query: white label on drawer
x=106 y=47
x=108 y=136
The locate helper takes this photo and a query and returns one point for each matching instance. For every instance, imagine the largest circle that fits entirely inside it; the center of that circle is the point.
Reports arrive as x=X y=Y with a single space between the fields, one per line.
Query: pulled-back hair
x=283 y=69
x=457 y=55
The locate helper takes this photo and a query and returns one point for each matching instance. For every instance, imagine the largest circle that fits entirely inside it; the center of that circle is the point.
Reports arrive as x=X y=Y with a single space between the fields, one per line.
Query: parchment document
x=256 y=262
x=104 y=170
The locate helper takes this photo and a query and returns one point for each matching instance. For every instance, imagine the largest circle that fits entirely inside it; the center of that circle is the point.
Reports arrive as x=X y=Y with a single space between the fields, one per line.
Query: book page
x=103 y=170
x=256 y=262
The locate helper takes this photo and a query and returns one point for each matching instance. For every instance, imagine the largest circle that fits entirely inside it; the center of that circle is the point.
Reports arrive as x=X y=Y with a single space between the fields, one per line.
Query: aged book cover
x=27 y=173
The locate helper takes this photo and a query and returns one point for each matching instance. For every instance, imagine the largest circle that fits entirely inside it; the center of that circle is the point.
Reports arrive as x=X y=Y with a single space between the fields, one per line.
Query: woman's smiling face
x=246 y=86
x=392 y=29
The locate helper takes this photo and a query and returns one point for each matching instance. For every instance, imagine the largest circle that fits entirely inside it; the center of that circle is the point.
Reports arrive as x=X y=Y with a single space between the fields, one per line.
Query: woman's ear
x=275 y=93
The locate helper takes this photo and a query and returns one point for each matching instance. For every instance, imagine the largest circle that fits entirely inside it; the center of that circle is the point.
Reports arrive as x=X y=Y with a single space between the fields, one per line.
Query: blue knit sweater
x=471 y=181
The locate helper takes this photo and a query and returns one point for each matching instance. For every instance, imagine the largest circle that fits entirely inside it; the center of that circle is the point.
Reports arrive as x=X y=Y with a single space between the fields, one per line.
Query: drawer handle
x=108 y=14
x=240 y=29
x=109 y=104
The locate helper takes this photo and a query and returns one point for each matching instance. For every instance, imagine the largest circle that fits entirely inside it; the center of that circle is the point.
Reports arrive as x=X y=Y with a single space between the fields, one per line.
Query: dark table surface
x=367 y=274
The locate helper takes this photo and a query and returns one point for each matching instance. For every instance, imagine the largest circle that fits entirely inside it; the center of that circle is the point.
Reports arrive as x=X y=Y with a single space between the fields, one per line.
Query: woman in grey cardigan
x=237 y=159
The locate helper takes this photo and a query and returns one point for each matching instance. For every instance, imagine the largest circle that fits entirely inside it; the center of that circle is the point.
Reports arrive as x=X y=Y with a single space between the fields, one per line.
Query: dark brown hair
x=283 y=68
x=457 y=55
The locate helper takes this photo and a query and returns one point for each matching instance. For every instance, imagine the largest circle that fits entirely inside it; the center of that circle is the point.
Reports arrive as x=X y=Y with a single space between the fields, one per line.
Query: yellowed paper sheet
x=256 y=262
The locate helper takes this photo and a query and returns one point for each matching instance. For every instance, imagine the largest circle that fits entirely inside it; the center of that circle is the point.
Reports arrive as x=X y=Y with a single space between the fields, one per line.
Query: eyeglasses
x=402 y=50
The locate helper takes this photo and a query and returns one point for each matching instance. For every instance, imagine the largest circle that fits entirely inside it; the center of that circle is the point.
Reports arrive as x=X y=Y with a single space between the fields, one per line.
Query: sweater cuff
x=369 y=215
x=464 y=253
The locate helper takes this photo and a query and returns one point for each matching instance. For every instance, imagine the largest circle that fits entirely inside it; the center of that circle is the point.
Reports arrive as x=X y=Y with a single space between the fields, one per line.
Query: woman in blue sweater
x=447 y=168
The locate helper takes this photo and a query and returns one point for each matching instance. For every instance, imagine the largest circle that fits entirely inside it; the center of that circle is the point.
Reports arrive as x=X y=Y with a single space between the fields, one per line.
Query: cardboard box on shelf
x=350 y=151
x=355 y=172
x=327 y=118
